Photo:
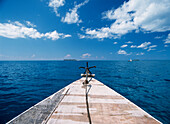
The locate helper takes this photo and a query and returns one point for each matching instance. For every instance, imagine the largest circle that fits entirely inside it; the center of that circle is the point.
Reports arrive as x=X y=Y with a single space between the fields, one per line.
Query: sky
x=84 y=29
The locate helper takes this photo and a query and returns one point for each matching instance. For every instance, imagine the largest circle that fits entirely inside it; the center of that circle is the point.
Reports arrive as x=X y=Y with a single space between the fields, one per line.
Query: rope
x=87 y=104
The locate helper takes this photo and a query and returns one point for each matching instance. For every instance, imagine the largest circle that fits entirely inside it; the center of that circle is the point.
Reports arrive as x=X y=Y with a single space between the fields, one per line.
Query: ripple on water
x=168 y=80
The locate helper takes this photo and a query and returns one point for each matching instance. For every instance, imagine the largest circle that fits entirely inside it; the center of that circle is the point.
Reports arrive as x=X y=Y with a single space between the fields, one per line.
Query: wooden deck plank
x=105 y=105
x=72 y=109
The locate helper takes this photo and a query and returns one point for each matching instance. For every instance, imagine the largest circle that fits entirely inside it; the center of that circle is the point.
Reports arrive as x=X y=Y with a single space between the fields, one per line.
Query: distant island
x=70 y=60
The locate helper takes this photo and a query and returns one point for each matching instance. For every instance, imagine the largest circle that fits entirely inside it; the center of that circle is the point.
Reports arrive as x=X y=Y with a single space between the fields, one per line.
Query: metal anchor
x=87 y=73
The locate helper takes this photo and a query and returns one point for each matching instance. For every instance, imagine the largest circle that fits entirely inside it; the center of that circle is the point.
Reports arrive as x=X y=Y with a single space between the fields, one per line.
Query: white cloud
x=72 y=16
x=140 y=54
x=86 y=55
x=123 y=46
x=133 y=46
x=18 y=30
x=30 y=24
x=67 y=56
x=122 y=52
x=137 y=15
x=167 y=40
x=55 y=4
x=115 y=31
x=115 y=43
x=53 y=35
x=150 y=47
x=67 y=35
x=144 y=45
x=101 y=33
x=81 y=36
x=150 y=15
x=16 y=23
x=165 y=45
x=129 y=42
x=158 y=37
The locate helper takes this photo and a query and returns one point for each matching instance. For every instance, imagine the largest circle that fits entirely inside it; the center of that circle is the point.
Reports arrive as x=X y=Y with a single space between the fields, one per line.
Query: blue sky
x=84 y=29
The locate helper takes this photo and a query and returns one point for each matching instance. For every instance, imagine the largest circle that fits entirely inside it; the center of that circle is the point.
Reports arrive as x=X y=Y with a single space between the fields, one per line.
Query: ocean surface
x=24 y=83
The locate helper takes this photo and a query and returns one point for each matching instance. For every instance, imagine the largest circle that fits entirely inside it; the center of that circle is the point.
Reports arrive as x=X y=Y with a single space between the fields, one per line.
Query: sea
x=25 y=83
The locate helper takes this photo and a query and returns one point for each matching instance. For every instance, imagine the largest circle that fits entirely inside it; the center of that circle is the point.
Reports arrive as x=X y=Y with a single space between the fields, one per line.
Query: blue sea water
x=24 y=83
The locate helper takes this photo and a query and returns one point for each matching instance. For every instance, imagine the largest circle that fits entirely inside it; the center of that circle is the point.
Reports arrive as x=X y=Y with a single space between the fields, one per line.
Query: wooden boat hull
x=84 y=104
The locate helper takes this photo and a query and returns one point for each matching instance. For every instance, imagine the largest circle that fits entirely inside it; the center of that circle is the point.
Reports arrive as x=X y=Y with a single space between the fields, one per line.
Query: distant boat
x=130 y=60
x=133 y=60
x=70 y=60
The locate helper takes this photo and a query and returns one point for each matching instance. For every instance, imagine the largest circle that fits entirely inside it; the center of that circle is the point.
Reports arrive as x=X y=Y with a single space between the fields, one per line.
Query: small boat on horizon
x=133 y=60
x=130 y=60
